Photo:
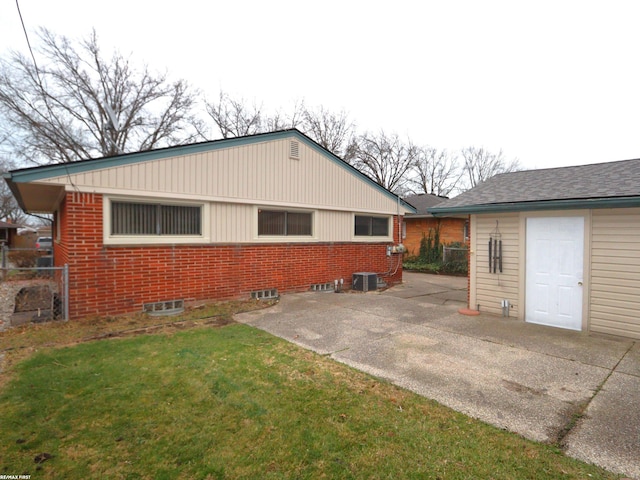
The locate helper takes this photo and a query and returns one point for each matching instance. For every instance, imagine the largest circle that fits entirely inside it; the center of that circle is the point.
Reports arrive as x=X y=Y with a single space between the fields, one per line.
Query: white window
x=284 y=223
x=371 y=226
x=128 y=220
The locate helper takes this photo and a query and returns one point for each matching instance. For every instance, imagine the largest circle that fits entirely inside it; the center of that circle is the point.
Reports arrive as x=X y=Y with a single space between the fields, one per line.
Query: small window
x=128 y=218
x=371 y=226
x=278 y=222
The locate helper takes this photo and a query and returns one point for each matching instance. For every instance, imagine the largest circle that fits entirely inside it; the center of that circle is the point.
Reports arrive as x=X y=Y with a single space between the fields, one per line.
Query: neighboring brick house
x=213 y=220
x=419 y=224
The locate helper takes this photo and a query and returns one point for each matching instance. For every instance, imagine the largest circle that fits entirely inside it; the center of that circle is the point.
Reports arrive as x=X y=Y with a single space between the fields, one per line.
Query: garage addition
x=570 y=253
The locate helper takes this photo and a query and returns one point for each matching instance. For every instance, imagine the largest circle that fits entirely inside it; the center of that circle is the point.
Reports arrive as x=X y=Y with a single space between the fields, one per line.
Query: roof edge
x=32 y=174
x=613 y=202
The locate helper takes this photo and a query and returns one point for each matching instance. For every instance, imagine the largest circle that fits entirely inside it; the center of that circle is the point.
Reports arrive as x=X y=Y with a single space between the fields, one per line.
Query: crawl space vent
x=268 y=294
x=322 y=287
x=168 y=307
x=294 y=150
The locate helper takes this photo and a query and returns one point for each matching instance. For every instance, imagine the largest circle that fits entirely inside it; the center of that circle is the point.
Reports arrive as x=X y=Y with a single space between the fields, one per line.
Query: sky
x=551 y=83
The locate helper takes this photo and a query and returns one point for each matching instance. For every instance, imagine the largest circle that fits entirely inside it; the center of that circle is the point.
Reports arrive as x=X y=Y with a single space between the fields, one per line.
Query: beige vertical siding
x=489 y=289
x=236 y=223
x=615 y=272
x=258 y=173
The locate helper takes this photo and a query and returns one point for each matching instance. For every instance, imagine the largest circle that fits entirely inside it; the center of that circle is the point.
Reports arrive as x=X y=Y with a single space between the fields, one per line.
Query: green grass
x=235 y=402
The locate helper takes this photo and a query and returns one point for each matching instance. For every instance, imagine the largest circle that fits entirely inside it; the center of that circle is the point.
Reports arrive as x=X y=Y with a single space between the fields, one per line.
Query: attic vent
x=294 y=150
x=264 y=294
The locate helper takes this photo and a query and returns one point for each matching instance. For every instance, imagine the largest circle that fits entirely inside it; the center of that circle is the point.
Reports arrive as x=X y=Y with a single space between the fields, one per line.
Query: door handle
x=580 y=283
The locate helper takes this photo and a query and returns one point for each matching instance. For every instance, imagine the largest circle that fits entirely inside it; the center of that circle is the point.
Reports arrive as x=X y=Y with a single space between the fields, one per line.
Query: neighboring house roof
x=422 y=202
x=8 y=225
x=34 y=194
x=601 y=185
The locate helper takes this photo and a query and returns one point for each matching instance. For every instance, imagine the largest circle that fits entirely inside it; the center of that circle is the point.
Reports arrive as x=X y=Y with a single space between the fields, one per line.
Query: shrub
x=23 y=258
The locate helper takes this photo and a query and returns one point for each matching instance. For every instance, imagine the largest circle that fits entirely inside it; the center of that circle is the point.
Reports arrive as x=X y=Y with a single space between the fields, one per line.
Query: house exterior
x=419 y=224
x=8 y=233
x=214 y=220
x=560 y=245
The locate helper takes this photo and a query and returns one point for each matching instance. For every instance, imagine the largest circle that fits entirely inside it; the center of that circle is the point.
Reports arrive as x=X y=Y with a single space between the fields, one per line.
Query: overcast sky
x=552 y=83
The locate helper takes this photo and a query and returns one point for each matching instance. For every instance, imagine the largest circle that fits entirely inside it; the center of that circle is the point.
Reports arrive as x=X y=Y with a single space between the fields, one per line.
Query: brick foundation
x=106 y=280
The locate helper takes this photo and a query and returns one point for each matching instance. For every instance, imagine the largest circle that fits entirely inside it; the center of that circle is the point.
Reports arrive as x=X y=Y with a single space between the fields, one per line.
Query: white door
x=554 y=262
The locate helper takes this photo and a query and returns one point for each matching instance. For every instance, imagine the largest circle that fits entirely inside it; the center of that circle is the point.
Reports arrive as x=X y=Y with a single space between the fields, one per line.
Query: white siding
x=615 y=272
x=489 y=289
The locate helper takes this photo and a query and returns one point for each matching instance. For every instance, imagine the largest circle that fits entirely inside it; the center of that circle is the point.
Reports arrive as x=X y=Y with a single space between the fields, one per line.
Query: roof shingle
x=584 y=182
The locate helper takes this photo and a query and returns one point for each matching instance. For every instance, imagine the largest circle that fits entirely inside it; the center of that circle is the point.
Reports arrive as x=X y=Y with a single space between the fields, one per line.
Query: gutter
x=614 y=202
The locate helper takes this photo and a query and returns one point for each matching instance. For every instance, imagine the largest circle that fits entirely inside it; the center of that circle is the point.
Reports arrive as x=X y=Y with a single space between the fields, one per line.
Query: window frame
x=370 y=235
x=284 y=237
x=110 y=238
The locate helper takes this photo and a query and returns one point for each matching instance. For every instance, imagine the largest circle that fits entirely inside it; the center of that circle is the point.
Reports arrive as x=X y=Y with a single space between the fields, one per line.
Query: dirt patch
x=164 y=328
x=518 y=387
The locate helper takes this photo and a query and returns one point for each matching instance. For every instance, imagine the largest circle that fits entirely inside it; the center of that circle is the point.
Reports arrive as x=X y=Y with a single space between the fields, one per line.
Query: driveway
x=529 y=379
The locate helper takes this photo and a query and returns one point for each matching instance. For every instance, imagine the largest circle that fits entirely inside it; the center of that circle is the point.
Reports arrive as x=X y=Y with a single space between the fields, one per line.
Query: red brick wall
x=451 y=230
x=114 y=279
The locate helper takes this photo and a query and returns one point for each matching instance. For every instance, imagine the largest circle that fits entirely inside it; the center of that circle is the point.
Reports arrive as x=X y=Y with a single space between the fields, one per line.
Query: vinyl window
x=285 y=223
x=130 y=218
x=366 y=225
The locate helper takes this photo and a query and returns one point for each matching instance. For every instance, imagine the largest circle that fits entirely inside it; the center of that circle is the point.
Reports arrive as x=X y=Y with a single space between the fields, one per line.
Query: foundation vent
x=167 y=307
x=322 y=287
x=268 y=294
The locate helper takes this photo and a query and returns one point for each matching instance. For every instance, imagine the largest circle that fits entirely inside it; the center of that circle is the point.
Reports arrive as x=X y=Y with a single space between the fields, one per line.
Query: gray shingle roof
x=585 y=182
x=423 y=201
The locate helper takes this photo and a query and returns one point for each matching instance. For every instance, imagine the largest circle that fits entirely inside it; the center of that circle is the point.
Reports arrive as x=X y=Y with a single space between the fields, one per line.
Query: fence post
x=65 y=276
x=3 y=254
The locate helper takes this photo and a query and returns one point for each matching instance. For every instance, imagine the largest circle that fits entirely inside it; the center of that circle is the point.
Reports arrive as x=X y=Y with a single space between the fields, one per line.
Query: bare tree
x=334 y=131
x=234 y=118
x=480 y=164
x=77 y=104
x=436 y=172
x=9 y=208
x=386 y=159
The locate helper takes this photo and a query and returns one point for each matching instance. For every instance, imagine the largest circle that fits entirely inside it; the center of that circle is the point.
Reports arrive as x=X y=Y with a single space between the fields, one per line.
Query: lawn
x=235 y=402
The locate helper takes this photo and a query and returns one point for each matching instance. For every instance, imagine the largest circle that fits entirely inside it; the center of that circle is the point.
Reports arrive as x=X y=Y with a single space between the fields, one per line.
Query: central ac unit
x=364 y=281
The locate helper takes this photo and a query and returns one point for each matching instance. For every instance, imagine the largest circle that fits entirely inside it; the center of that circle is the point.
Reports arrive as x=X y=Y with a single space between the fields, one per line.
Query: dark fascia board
x=571 y=204
x=34 y=174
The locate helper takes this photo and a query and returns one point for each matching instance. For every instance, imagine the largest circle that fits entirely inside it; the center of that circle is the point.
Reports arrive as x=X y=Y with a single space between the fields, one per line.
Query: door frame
x=586 y=261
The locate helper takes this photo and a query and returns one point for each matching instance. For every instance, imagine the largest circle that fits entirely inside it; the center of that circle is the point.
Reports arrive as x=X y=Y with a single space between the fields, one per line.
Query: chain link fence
x=454 y=254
